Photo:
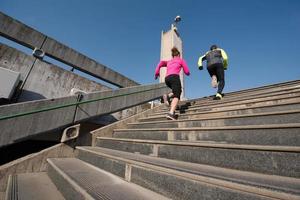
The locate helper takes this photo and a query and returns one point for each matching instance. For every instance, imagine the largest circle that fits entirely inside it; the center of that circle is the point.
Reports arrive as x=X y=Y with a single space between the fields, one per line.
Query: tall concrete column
x=169 y=40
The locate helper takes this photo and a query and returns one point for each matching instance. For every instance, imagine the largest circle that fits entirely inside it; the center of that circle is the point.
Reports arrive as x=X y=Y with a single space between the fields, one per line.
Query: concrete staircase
x=246 y=146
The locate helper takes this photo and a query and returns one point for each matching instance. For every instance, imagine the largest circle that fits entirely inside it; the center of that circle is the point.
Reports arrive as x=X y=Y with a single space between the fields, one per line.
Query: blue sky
x=261 y=37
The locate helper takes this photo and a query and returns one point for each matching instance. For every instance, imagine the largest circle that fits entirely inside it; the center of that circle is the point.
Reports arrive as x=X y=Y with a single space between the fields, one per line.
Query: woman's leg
x=174 y=105
x=165 y=97
x=175 y=84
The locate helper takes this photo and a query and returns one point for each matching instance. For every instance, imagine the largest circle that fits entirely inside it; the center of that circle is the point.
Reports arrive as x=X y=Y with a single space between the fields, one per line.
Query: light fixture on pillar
x=174 y=24
x=177 y=19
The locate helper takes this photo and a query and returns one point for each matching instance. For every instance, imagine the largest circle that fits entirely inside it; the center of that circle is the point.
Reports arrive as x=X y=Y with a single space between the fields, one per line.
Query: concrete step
x=287 y=87
x=246 y=97
x=281 y=99
x=292 y=105
x=280 y=117
x=235 y=101
x=79 y=180
x=263 y=88
x=182 y=180
x=273 y=160
x=275 y=134
x=253 y=94
x=31 y=186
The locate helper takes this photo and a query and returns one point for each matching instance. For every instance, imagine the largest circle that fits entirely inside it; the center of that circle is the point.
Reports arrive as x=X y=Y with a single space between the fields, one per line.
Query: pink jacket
x=173 y=66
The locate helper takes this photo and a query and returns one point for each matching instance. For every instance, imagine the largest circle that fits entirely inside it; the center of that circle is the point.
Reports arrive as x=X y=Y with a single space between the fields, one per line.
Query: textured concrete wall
x=15 y=60
x=120 y=100
x=15 y=129
x=54 y=82
x=21 y=127
x=44 y=80
x=27 y=36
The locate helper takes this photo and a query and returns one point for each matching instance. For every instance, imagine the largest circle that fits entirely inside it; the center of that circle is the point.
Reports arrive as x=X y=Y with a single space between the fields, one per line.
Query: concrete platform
x=32 y=186
x=79 y=180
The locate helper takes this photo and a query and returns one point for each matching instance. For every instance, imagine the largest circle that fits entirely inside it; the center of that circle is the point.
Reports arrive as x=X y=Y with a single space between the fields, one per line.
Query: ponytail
x=175 y=52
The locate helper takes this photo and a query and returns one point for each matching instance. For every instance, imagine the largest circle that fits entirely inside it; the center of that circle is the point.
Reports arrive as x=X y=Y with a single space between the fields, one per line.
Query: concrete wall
x=44 y=79
x=15 y=60
x=54 y=82
x=23 y=126
x=19 y=128
x=119 y=100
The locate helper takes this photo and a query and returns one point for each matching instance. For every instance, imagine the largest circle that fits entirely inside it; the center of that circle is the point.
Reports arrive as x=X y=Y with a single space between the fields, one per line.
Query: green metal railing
x=71 y=104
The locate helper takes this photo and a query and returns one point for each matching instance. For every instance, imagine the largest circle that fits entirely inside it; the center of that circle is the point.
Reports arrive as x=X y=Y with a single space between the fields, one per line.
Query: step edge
x=158 y=115
x=69 y=180
x=245 y=127
x=244 y=101
x=206 y=180
x=252 y=96
x=222 y=117
x=211 y=145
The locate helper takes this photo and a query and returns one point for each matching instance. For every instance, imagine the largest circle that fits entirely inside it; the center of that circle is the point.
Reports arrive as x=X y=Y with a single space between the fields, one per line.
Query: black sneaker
x=171 y=116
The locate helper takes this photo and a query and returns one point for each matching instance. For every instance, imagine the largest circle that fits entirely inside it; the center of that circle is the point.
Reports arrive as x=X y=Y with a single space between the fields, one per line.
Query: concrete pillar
x=169 y=40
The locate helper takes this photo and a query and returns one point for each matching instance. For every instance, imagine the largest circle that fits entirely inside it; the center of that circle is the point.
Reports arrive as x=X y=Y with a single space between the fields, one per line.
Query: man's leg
x=214 y=82
x=212 y=72
x=221 y=80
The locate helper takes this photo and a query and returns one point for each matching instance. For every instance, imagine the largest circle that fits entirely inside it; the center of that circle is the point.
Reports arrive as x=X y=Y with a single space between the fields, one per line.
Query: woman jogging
x=172 y=79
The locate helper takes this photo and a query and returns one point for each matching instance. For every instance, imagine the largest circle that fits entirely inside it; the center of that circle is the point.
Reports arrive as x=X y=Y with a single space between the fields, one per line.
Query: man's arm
x=201 y=59
x=225 y=58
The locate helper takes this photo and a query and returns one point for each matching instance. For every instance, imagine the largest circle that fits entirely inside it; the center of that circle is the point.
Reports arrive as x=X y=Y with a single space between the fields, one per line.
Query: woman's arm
x=185 y=67
x=160 y=64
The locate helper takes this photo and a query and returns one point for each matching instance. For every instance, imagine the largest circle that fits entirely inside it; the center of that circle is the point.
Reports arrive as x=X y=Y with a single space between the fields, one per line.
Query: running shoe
x=171 y=116
x=218 y=96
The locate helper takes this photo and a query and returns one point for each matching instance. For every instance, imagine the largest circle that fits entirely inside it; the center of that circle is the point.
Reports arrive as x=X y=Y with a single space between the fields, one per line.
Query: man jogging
x=217 y=62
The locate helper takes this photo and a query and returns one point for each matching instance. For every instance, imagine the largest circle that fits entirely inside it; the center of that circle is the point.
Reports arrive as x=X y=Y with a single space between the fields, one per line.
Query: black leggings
x=218 y=70
x=173 y=82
